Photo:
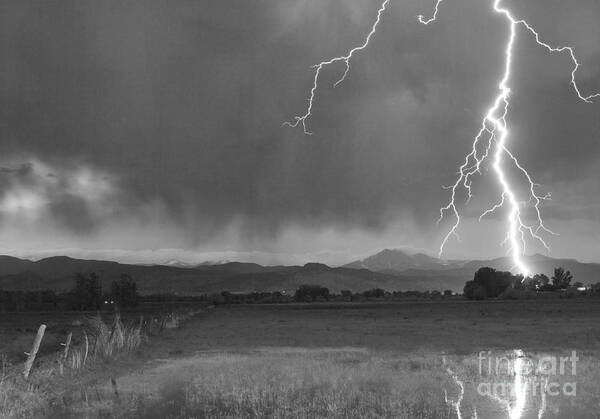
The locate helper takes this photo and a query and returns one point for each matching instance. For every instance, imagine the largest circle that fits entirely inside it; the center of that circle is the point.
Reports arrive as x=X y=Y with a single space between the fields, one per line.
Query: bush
x=570 y=292
x=517 y=294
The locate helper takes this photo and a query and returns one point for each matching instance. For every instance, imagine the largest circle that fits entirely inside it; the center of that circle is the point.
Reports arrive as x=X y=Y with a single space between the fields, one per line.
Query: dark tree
x=474 y=291
x=87 y=293
x=374 y=293
x=124 y=291
x=494 y=282
x=309 y=293
x=346 y=295
x=540 y=281
x=227 y=297
x=12 y=300
x=489 y=283
x=561 y=278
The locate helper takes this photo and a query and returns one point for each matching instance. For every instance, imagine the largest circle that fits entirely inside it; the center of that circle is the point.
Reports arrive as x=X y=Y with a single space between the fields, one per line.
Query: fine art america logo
x=546 y=375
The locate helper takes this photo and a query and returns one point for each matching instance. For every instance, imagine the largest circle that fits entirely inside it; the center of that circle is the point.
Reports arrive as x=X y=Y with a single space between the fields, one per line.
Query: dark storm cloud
x=183 y=103
x=72 y=212
x=75 y=197
x=21 y=170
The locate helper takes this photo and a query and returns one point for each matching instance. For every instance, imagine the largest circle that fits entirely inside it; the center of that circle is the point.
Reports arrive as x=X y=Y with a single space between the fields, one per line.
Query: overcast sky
x=151 y=130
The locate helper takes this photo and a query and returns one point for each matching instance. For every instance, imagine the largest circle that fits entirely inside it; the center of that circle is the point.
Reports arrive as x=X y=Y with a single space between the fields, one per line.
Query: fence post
x=66 y=352
x=86 y=347
x=66 y=345
x=34 y=350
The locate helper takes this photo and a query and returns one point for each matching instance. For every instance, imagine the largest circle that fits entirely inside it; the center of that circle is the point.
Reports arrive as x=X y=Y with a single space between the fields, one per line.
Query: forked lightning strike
x=346 y=60
x=493 y=135
x=433 y=17
x=494 y=131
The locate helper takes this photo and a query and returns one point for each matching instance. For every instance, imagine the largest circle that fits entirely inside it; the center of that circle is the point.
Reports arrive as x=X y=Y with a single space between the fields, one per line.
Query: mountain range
x=398 y=262
x=389 y=269
x=395 y=260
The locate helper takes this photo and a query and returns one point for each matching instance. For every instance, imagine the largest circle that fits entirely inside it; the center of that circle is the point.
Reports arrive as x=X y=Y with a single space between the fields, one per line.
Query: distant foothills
x=391 y=270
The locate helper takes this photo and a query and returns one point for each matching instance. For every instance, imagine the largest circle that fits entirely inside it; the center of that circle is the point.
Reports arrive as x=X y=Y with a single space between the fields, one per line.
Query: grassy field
x=458 y=327
x=411 y=359
x=18 y=330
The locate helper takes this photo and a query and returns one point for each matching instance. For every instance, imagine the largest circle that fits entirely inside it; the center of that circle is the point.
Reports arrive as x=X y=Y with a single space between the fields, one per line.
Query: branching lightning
x=494 y=131
x=433 y=17
x=493 y=136
x=346 y=60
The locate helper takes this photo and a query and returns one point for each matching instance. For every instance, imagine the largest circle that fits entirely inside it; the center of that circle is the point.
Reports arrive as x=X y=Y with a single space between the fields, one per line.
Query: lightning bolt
x=302 y=120
x=513 y=401
x=433 y=17
x=493 y=135
x=494 y=131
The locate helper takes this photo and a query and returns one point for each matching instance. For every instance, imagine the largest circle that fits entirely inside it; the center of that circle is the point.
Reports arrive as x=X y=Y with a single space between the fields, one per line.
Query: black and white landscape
x=195 y=195
x=391 y=270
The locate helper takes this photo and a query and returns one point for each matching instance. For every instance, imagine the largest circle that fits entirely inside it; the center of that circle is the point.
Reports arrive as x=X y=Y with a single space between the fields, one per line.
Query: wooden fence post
x=65 y=354
x=66 y=345
x=34 y=350
x=86 y=347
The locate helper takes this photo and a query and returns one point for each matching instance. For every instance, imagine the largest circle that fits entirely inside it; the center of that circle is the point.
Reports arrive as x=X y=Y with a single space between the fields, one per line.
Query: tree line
x=490 y=283
x=310 y=293
x=86 y=294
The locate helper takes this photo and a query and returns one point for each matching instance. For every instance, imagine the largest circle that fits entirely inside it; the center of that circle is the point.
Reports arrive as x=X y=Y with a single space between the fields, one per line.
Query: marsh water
x=519 y=385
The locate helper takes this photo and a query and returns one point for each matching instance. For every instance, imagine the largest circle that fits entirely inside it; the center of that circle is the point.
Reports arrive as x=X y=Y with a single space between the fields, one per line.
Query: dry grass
x=338 y=383
x=110 y=340
x=400 y=375
x=19 y=398
x=297 y=383
x=95 y=342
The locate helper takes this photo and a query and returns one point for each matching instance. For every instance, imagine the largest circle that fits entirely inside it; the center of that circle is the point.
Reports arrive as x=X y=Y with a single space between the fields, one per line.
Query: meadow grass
x=349 y=383
x=101 y=341
x=343 y=361
x=296 y=383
